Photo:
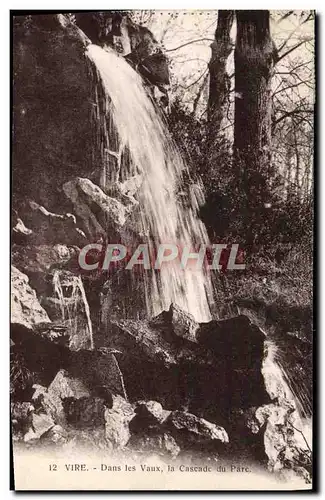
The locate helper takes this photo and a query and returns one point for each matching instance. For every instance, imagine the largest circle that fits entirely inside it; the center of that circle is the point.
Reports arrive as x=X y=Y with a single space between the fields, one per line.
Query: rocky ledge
x=168 y=387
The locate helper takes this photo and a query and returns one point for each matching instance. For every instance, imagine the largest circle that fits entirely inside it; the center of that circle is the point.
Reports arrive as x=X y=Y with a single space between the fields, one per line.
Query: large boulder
x=162 y=432
x=25 y=307
x=174 y=369
x=148 y=415
x=75 y=396
x=56 y=436
x=151 y=411
x=85 y=412
x=178 y=322
x=40 y=424
x=39 y=226
x=99 y=370
x=184 y=423
x=52 y=98
x=158 y=443
x=117 y=420
x=284 y=439
x=63 y=387
x=109 y=214
x=37 y=359
x=41 y=259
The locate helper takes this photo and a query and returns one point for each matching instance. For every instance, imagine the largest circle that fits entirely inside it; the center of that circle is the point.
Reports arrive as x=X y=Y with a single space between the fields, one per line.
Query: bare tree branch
x=290 y=113
x=189 y=43
x=282 y=56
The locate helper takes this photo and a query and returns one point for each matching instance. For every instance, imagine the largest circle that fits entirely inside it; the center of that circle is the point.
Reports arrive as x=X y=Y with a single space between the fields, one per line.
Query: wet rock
x=149 y=414
x=180 y=423
x=157 y=364
x=85 y=411
x=239 y=349
x=41 y=258
x=131 y=185
x=123 y=192
x=85 y=195
x=25 y=307
x=62 y=387
x=65 y=300
x=41 y=423
x=68 y=387
x=284 y=441
x=140 y=334
x=184 y=324
x=117 y=422
x=152 y=411
x=175 y=320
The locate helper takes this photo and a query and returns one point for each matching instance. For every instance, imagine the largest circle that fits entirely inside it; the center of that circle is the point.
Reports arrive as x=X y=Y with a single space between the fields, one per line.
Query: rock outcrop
x=229 y=352
x=190 y=427
x=25 y=307
x=111 y=213
x=52 y=109
x=161 y=405
x=53 y=106
x=137 y=43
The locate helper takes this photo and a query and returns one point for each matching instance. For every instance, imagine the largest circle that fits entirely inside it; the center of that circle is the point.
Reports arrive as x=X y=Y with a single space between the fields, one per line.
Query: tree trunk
x=219 y=86
x=253 y=107
x=297 y=154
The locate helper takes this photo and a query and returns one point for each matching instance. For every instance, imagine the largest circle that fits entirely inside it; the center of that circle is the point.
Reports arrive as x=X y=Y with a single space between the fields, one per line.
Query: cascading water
x=280 y=385
x=147 y=149
x=69 y=306
x=130 y=130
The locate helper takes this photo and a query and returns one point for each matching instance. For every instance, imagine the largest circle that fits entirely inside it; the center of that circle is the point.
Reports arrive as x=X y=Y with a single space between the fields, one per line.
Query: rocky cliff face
x=165 y=385
x=53 y=96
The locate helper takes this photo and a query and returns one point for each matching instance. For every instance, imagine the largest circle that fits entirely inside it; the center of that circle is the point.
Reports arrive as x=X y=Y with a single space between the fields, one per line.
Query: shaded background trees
x=243 y=113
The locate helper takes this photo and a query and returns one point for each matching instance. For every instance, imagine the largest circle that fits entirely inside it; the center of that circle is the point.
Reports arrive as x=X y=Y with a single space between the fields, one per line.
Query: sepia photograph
x=162 y=241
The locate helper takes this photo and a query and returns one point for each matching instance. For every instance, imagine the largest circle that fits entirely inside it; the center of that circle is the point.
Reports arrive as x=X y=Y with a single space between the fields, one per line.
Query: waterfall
x=280 y=385
x=70 y=305
x=143 y=146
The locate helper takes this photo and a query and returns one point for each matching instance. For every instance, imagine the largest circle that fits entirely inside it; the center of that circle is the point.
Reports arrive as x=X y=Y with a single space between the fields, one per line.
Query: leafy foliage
x=272 y=217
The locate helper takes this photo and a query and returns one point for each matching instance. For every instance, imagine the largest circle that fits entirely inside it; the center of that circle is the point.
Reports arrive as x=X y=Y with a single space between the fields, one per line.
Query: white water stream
x=153 y=155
